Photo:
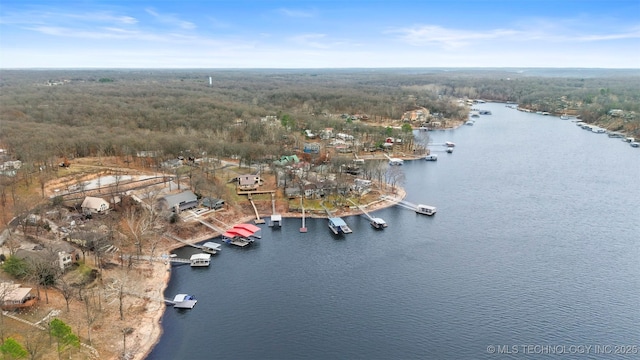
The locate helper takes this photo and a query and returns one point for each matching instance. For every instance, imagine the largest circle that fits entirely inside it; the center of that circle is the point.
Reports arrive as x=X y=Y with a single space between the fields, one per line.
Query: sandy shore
x=149 y=325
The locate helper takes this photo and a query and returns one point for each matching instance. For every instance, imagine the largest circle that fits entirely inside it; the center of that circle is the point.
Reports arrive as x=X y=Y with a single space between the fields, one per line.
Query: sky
x=319 y=34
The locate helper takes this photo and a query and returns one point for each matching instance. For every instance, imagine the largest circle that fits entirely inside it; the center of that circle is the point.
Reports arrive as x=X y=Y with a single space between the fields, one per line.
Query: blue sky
x=319 y=34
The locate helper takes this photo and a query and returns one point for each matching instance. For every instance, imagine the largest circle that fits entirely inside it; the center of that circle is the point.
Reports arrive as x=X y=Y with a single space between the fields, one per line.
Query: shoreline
x=156 y=315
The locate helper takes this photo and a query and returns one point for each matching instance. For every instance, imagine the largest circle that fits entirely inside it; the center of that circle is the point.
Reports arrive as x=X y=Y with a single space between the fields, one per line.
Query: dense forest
x=46 y=115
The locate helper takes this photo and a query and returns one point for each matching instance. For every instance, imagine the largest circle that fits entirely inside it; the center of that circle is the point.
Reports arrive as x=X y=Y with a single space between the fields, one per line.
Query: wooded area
x=67 y=127
x=52 y=114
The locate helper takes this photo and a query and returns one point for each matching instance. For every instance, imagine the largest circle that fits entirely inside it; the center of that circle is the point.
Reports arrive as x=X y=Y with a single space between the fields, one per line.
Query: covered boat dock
x=241 y=235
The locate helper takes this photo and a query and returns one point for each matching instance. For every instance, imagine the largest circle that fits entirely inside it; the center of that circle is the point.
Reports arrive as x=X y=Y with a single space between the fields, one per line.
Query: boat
x=396 y=161
x=426 y=209
x=634 y=144
x=450 y=150
x=378 y=223
x=183 y=301
x=201 y=259
x=470 y=122
x=338 y=226
x=449 y=144
x=211 y=248
x=431 y=157
x=615 y=134
x=485 y=112
x=564 y=117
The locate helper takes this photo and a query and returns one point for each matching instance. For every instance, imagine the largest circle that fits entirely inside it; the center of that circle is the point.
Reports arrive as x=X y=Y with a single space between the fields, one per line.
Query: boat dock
x=377 y=223
x=200 y=259
x=419 y=208
x=303 y=229
x=336 y=224
x=241 y=235
x=276 y=219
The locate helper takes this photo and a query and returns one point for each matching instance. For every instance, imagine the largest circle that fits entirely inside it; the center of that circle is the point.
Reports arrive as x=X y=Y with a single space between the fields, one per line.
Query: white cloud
x=448 y=38
x=171 y=20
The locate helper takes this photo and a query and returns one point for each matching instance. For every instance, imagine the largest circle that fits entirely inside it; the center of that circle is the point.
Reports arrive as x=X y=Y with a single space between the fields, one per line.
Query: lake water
x=534 y=251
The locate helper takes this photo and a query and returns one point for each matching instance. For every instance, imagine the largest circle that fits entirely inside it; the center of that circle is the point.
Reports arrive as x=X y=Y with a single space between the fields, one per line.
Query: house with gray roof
x=179 y=202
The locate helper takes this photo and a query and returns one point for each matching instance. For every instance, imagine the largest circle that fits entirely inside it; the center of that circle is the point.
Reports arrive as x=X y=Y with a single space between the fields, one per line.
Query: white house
x=94 y=205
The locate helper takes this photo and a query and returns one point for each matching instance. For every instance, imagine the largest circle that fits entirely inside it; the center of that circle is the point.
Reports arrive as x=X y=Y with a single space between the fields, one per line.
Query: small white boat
x=564 y=117
x=378 y=223
x=450 y=150
x=634 y=144
x=470 y=123
x=426 y=209
x=396 y=161
x=211 y=248
x=201 y=259
x=183 y=301
x=431 y=157
x=450 y=144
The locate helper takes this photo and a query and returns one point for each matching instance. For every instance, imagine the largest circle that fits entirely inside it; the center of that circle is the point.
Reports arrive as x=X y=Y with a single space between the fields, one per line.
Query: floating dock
x=376 y=222
x=241 y=235
x=276 y=220
x=211 y=248
x=418 y=208
x=338 y=226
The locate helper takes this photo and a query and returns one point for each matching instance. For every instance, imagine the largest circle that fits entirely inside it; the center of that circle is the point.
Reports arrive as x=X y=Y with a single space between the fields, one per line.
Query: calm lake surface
x=535 y=250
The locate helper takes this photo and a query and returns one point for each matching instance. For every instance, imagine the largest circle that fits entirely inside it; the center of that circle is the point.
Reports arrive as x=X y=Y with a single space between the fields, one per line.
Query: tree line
x=53 y=114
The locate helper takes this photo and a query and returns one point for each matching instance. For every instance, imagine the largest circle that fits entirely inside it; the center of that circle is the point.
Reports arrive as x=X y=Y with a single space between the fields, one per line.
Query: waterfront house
x=249 y=182
x=179 y=202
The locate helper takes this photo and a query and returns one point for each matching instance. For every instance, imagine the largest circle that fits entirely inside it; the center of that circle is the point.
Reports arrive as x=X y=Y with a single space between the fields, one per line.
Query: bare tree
x=91 y=312
x=137 y=225
x=34 y=343
x=65 y=289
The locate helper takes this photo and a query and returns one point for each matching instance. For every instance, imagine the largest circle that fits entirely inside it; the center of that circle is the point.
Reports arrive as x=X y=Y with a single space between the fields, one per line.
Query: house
x=212 y=203
x=172 y=163
x=94 y=205
x=312 y=148
x=59 y=254
x=311 y=190
x=292 y=192
x=65 y=259
x=287 y=159
x=180 y=202
x=13 y=296
x=248 y=182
